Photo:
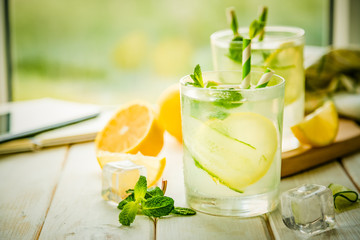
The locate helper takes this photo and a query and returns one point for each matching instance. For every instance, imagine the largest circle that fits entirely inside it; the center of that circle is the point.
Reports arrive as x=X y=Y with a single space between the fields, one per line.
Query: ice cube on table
x=308 y=209
x=118 y=177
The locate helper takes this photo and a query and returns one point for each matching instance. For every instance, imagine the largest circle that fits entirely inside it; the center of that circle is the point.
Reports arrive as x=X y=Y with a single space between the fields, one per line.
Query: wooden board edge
x=317 y=156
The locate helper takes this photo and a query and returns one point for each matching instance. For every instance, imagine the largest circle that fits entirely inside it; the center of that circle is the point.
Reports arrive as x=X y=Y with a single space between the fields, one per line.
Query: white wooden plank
x=200 y=226
x=352 y=165
x=348 y=222
x=27 y=182
x=78 y=210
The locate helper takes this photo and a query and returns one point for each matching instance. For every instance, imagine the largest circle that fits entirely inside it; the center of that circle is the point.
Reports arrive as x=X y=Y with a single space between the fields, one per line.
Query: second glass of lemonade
x=282 y=51
x=232 y=144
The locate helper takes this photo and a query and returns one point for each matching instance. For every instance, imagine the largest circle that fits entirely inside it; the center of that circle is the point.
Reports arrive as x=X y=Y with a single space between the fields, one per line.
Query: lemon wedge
x=318 y=128
x=154 y=165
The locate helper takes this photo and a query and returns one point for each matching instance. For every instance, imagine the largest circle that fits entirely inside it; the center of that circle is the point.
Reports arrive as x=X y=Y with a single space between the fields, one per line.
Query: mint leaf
x=262 y=21
x=219 y=115
x=197 y=77
x=122 y=204
x=235 y=49
x=233 y=21
x=130 y=198
x=210 y=84
x=140 y=188
x=128 y=214
x=183 y=211
x=158 y=206
x=154 y=193
x=228 y=99
x=254 y=29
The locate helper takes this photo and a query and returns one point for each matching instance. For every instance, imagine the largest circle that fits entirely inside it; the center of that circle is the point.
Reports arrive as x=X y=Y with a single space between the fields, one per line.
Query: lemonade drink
x=282 y=51
x=232 y=144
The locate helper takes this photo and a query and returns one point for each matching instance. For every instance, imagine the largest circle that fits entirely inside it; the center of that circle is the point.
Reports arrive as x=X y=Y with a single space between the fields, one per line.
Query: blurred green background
x=113 y=51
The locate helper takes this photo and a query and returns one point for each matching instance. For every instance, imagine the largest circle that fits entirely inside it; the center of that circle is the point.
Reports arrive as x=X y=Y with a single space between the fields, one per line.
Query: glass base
x=247 y=206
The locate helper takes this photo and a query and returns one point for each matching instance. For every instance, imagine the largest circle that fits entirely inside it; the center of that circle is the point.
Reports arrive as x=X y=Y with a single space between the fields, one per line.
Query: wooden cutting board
x=305 y=157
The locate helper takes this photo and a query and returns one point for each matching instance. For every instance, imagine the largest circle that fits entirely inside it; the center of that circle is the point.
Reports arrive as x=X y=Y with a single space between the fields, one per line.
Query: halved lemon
x=237 y=151
x=154 y=165
x=318 y=128
x=134 y=128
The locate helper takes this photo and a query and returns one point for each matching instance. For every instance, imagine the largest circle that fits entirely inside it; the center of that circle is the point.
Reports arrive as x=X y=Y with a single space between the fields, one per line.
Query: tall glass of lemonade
x=282 y=51
x=232 y=143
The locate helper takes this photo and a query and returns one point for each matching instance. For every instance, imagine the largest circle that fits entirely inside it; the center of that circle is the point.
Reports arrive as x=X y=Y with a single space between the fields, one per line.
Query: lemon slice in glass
x=237 y=151
x=286 y=61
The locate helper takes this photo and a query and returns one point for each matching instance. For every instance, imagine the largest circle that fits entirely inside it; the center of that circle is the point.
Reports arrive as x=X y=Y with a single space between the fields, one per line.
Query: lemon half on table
x=237 y=151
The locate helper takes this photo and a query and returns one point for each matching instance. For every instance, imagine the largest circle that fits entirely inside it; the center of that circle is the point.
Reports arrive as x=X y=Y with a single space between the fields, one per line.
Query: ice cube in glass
x=308 y=209
x=118 y=177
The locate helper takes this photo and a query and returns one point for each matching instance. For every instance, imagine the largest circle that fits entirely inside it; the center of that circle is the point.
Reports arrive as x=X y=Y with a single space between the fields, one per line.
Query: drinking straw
x=265 y=78
x=262 y=20
x=246 y=63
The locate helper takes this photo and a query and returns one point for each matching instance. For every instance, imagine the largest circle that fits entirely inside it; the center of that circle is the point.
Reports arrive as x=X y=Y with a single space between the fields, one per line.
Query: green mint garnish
x=219 y=115
x=233 y=21
x=154 y=193
x=128 y=213
x=140 y=188
x=183 y=211
x=257 y=26
x=211 y=84
x=197 y=77
x=151 y=203
x=158 y=206
x=254 y=29
x=235 y=49
x=262 y=20
x=228 y=99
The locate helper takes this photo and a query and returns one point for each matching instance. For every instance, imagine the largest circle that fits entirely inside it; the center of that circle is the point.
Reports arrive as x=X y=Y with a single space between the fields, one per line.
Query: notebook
x=27 y=118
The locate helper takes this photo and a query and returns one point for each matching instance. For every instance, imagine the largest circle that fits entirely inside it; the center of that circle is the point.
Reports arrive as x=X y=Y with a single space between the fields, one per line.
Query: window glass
x=113 y=51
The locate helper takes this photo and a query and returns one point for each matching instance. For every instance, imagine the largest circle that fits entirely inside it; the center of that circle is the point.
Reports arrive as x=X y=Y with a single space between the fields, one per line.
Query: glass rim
x=235 y=86
x=299 y=34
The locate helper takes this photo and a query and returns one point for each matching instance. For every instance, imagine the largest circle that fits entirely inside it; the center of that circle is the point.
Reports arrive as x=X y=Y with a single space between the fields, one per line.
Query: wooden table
x=55 y=194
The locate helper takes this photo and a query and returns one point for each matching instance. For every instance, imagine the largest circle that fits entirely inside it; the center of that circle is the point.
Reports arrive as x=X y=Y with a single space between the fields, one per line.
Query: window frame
x=5 y=55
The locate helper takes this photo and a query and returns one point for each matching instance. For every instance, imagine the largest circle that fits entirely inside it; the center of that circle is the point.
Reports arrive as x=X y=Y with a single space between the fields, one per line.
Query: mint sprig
x=151 y=203
x=197 y=77
x=226 y=99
